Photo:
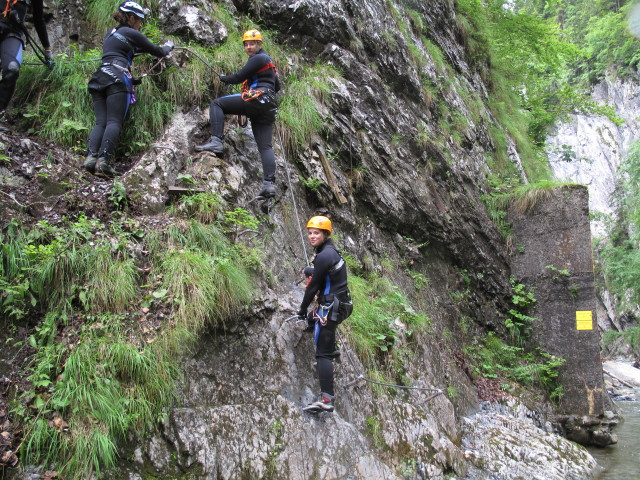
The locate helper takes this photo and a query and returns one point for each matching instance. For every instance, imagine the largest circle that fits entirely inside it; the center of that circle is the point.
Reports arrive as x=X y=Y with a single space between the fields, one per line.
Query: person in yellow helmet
x=257 y=101
x=328 y=287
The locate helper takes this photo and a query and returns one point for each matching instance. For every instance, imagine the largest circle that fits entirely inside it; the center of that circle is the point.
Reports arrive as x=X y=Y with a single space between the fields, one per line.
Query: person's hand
x=136 y=80
x=302 y=314
x=168 y=47
x=224 y=78
x=48 y=56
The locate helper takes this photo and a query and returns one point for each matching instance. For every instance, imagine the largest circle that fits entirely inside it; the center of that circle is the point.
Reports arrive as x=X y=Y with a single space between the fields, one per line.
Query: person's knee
x=11 y=72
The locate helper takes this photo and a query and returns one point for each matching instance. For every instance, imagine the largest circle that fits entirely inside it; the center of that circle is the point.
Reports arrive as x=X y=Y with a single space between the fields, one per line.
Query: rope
x=37 y=49
x=293 y=198
x=437 y=391
x=149 y=72
x=198 y=56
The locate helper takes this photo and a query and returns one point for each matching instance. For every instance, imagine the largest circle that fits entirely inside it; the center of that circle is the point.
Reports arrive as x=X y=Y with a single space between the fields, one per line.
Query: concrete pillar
x=552 y=254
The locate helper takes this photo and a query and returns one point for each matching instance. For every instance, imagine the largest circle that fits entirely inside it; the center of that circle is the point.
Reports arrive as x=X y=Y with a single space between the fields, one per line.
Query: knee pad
x=12 y=71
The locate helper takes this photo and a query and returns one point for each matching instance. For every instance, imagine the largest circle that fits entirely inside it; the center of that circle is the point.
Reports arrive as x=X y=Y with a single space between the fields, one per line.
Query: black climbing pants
x=325 y=339
x=110 y=110
x=262 y=117
x=11 y=59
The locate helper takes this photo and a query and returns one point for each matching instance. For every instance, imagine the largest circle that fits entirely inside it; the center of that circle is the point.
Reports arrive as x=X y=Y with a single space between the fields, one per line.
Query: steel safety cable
x=293 y=198
x=437 y=391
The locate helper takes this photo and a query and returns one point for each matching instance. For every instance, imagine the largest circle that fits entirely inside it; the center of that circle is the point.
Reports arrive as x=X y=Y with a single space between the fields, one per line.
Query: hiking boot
x=103 y=169
x=323 y=404
x=214 y=145
x=268 y=189
x=90 y=163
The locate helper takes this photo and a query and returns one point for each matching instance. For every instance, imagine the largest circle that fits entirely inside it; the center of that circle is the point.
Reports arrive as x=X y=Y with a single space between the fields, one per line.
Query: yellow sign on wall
x=584 y=320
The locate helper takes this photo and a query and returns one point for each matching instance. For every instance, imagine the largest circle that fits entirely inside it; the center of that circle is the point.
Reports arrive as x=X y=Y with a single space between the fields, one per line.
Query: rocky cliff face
x=404 y=195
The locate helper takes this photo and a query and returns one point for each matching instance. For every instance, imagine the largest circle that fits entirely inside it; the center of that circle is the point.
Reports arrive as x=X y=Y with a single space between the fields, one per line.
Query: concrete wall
x=556 y=232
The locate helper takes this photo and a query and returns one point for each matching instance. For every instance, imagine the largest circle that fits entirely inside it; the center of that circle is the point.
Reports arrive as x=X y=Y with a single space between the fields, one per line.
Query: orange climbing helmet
x=321 y=223
x=251 y=35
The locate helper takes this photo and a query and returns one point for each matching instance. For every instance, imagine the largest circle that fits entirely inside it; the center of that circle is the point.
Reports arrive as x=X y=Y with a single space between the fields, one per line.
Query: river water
x=622 y=461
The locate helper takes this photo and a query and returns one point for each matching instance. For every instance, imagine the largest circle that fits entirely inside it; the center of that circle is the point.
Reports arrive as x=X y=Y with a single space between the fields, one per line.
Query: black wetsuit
x=329 y=279
x=11 y=43
x=262 y=111
x=111 y=86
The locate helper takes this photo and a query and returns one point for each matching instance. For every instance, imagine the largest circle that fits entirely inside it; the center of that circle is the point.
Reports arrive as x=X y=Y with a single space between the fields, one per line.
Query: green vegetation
x=517 y=361
x=496 y=359
x=600 y=27
x=381 y=343
x=312 y=183
x=99 y=368
x=522 y=197
x=631 y=336
x=619 y=252
x=299 y=113
x=519 y=323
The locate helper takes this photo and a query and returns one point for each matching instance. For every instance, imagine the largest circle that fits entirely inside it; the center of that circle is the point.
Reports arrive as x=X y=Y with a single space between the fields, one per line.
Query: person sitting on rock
x=257 y=101
x=329 y=284
x=12 y=18
x=111 y=86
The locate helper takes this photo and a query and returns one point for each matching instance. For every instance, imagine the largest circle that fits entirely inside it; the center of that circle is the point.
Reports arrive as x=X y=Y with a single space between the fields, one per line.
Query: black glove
x=302 y=314
x=136 y=80
x=308 y=271
x=167 y=47
x=50 y=62
x=224 y=78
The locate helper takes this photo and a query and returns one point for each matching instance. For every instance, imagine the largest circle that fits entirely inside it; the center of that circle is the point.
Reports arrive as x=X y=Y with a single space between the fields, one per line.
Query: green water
x=622 y=461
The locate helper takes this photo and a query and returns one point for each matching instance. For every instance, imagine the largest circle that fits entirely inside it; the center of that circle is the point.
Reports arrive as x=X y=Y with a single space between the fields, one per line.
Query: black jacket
x=325 y=280
x=122 y=43
x=265 y=80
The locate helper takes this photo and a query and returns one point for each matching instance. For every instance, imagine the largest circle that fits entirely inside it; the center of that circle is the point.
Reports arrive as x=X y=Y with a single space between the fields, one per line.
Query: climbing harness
x=8 y=8
x=249 y=93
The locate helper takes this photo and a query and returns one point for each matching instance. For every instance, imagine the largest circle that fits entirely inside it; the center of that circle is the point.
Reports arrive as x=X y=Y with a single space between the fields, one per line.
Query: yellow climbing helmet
x=322 y=223
x=251 y=35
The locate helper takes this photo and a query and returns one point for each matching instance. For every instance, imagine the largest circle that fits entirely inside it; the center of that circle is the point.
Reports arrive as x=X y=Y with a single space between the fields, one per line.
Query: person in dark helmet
x=257 y=102
x=328 y=287
x=111 y=86
x=12 y=18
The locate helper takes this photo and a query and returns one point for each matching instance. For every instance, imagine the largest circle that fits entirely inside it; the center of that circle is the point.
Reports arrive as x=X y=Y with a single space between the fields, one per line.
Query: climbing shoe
x=90 y=163
x=214 y=145
x=323 y=404
x=268 y=189
x=103 y=169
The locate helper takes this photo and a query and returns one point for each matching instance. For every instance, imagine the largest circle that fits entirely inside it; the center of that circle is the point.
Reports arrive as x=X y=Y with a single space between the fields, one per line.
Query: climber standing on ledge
x=257 y=101
x=333 y=305
x=111 y=86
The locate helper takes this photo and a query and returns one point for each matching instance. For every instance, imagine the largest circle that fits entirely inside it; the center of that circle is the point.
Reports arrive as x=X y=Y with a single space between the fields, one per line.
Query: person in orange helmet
x=259 y=79
x=328 y=286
